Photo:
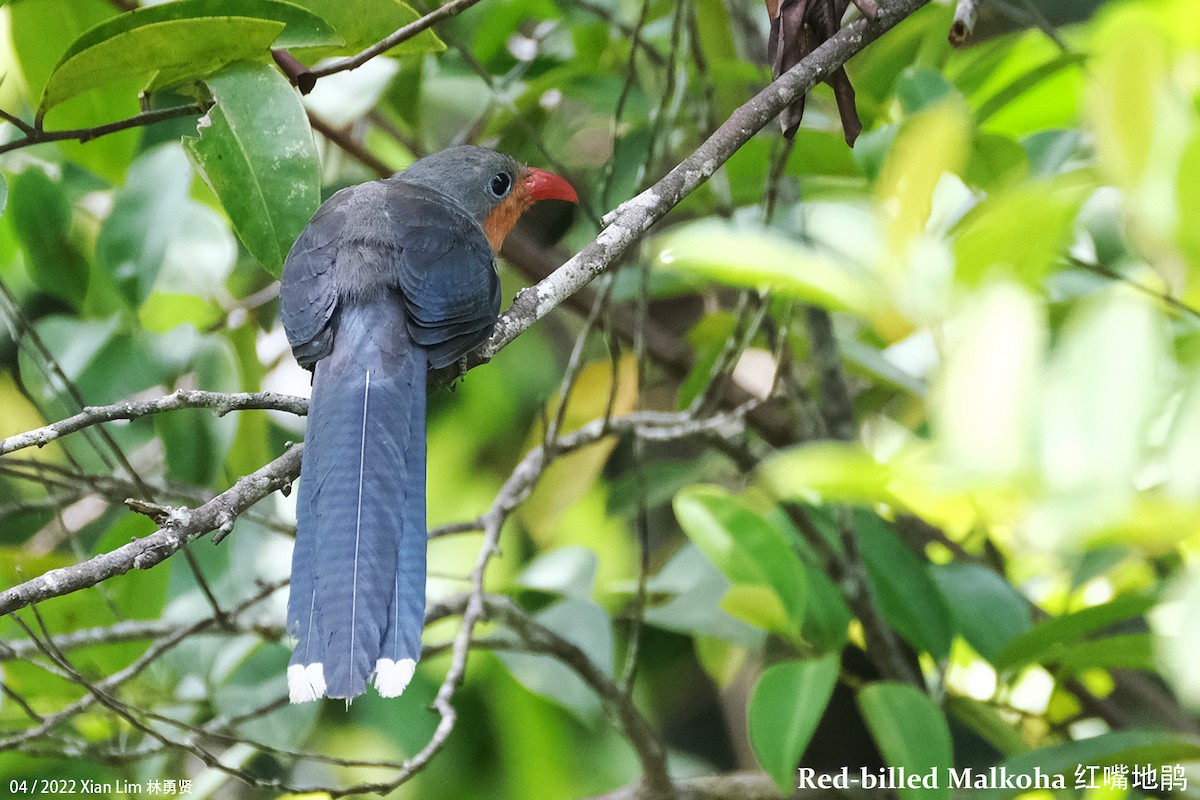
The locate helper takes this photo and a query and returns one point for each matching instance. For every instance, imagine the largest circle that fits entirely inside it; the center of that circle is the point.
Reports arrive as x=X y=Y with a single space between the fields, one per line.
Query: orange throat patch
x=504 y=216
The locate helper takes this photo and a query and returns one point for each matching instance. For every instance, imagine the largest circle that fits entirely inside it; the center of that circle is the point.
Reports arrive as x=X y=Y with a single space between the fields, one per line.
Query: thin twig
x=342 y=138
x=152 y=654
x=631 y=32
x=397 y=37
x=650 y=749
x=631 y=73
x=836 y=408
x=182 y=527
x=963 y=27
x=34 y=135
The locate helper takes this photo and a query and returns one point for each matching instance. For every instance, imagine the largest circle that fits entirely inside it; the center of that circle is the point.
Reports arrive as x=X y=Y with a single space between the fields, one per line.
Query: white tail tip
x=306 y=682
x=392 y=677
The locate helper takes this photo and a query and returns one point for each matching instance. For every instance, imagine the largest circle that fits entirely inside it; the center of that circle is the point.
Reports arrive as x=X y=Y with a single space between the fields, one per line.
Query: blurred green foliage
x=1011 y=255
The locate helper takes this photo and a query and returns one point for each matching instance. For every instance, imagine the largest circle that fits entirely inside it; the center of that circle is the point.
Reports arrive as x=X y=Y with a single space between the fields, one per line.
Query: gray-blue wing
x=308 y=296
x=445 y=271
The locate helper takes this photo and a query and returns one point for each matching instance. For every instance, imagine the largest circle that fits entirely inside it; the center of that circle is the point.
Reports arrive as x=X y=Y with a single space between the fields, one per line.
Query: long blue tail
x=357 y=603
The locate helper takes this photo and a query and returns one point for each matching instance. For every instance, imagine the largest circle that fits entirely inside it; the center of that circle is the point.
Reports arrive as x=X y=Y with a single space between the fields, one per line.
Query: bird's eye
x=499 y=185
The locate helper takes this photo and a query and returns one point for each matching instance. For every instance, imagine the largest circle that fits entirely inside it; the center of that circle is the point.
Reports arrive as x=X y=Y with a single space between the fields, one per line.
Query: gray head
x=476 y=178
x=493 y=188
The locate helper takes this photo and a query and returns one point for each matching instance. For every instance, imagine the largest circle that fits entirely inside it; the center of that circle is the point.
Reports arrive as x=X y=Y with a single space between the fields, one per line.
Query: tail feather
x=301 y=606
x=406 y=614
x=363 y=470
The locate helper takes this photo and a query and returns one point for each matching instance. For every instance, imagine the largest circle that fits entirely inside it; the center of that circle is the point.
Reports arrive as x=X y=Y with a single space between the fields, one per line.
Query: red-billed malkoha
x=388 y=279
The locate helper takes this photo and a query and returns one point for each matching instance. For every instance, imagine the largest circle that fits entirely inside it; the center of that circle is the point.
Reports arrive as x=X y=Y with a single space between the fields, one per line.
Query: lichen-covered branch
x=220 y=402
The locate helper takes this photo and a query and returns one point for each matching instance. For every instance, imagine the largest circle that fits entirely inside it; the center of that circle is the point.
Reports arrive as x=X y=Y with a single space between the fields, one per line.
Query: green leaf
x=41 y=218
x=137 y=594
x=39 y=44
x=569 y=571
x=911 y=733
x=929 y=144
x=757 y=604
x=987 y=720
x=1018 y=233
x=693 y=587
x=303 y=28
x=819 y=154
x=827 y=472
x=587 y=626
x=1102 y=220
x=255 y=675
x=752 y=553
x=985 y=397
x=761 y=259
x=75 y=343
x=826 y=615
x=1026 y=82
x=868 y=360
x=996 y=162
x=180 y=41
x=163 y=311
x=257 y=154
x=920 y=87
x=1129 y=72
x=1123 y=651
x=715 y=38
x=360 y=23
x=91 y=353
x=252 y=440
x=708 y=337
x=41 y=31
x=1097 y=410
x=133 y=239
x=570 y=477
x=788 y=702
x=81 y=610
x=1178 y=639
x=1050 y=152
x=196 y=441
x=908 y=598
x=987 y=610
x=1049 y=640
x=491 y=36
x=1187 y=191
x=200 y=256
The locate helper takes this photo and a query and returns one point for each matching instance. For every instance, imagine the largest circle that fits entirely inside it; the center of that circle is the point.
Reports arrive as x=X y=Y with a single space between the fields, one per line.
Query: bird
x=388 y=279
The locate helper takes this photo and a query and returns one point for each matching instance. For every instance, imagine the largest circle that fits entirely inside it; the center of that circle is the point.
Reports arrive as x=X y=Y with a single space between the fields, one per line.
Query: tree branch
x=650 y=750
x=400 y=35
x=836 y=409
x=113 y=681
x=221 y=402
x=963 y=27
x=36 y=135
x=181 y=527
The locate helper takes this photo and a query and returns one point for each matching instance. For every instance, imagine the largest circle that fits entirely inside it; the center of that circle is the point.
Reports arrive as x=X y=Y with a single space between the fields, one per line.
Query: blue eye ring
x=500 y=185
